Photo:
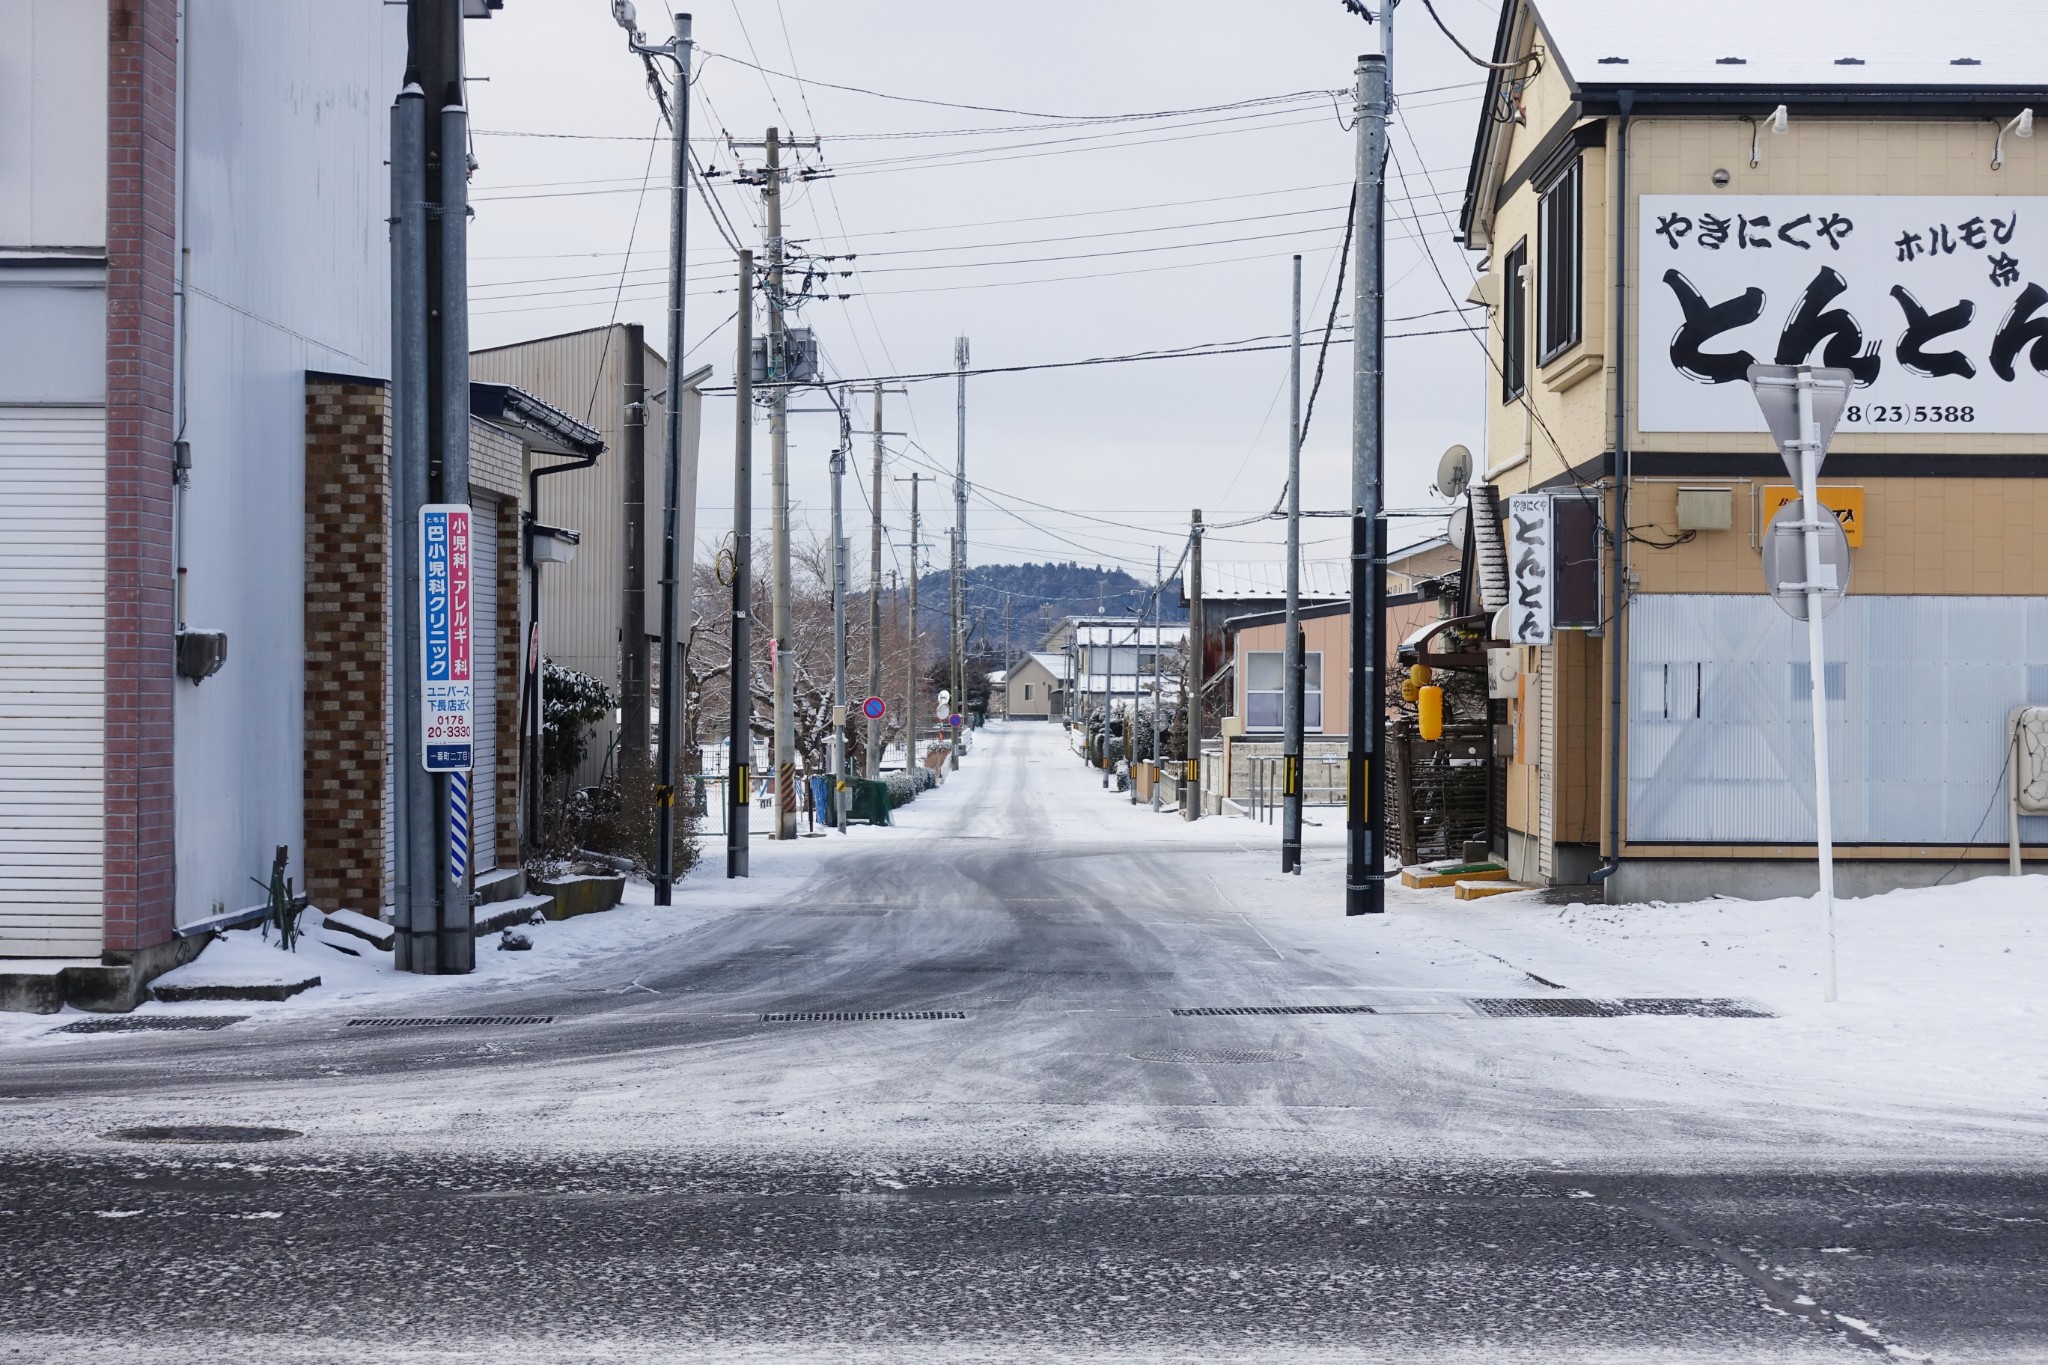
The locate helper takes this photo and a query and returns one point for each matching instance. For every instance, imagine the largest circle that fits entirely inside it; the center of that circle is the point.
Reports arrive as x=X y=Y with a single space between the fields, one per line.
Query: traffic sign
x=1777 y=393
x=1785 y=561
x=874 y=708
x=954 y=720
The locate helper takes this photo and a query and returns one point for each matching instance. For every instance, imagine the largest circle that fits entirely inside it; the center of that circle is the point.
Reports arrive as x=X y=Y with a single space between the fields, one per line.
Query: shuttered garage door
x=53 y=562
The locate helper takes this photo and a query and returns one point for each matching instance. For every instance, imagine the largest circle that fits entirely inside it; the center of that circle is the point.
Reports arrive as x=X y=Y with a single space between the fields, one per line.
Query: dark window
x=1514 y=323
x=1559 y=250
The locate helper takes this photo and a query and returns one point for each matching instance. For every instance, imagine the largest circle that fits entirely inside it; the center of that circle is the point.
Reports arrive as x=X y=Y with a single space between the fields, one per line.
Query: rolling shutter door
x=53 y=558
x=483 y=779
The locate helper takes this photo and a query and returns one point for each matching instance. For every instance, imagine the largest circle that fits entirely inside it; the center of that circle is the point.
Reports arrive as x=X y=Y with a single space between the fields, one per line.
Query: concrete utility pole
x=1295 y=665
x=1158 y=649
x=633 y=651
x=670 y=733
x=874 y=751
x=430 y=349
x=1191 y=783
x=959 y=539
x=953 y=731
x=910 y=754
x=839 y=454
x=1365 y=875
x=740 y=746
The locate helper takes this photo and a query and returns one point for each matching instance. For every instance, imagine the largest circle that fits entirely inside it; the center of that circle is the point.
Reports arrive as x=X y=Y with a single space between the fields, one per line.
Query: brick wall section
x=347 y=499
x=142 y=109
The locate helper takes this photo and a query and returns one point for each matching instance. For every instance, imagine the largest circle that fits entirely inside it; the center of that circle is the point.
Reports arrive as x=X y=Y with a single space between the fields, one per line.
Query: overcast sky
x=1040 y=243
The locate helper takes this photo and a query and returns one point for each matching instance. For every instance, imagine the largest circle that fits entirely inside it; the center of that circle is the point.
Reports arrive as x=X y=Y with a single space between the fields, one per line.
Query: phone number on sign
x=1899 y=412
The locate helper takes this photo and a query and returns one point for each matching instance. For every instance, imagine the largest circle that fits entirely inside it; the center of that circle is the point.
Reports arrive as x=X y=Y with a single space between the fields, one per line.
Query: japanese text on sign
x=448 y=691
x=1530 y=564
x=1931 y=302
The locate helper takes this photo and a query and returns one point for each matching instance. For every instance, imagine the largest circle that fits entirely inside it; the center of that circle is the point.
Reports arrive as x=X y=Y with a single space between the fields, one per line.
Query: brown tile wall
x=511 y=662
x=347 y=497
x=142 y=127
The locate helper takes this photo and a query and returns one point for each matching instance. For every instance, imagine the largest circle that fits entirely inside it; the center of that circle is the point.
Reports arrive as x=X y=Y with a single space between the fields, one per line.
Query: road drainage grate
x=456 y=1021
x=856 y=1016
x=1213 y=1056
x=153 y=1023
x=1276 y=1009
x=1538 y=1007
x=202 y=1132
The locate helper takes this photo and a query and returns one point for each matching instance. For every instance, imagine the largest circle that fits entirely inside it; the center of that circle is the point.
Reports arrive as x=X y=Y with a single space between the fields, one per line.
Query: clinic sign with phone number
x=1931 y=301
x=447 y=656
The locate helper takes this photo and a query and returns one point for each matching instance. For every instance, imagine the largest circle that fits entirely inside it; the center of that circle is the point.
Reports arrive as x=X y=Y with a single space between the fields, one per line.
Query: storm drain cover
x=153 y=1023
x=856 y=1016
x=1277 y=1009
x=202 y=1132
x=1213 y=1056
x=1540 y=1007
x=456 y=1021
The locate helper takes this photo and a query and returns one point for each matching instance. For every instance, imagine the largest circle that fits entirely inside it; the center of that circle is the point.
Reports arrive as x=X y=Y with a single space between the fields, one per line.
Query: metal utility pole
x=430 y=345
x=1191 y=777
x=874 y=751
x=839 y=454
x=910 y=755
x=1295 y=666
x=740 y=747
x=953 y=731
x=959 y=538
x=669 y=723
x=633 y=653
x=1365 y=876
x=1158 y=648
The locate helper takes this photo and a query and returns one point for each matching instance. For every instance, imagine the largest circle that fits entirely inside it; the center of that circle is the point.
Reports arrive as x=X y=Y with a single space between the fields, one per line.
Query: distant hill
x=1038 y=595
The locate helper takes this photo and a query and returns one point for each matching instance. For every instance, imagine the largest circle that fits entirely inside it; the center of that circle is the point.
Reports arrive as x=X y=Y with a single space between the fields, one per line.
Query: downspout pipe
x=1618 y=532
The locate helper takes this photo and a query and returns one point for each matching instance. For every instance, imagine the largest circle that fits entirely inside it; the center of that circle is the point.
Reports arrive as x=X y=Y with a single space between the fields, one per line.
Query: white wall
x=53 y=123
x=286 y=196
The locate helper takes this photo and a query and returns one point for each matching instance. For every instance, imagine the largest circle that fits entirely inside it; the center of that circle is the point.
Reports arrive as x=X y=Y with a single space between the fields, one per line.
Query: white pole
x=1816 y=654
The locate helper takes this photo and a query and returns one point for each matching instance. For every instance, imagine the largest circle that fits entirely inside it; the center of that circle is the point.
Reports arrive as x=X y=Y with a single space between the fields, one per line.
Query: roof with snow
x=1116 y=633
x=1322 y=580
x=1055 y=664
x=1959 y=44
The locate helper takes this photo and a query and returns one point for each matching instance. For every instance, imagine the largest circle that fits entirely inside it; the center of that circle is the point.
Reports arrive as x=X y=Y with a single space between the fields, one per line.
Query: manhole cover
x=153 y=1023
x=1538 y=1007
x=1276 y=1009
x=1213 y=1056
x=456 y=1021
x=856 y=1016
x=202 y=1132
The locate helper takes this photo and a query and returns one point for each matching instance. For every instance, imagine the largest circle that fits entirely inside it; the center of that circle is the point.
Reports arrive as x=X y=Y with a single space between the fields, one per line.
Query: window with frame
x=1514 y=323
x=1027 y=691
x=1559 y=253
x=1265 y=680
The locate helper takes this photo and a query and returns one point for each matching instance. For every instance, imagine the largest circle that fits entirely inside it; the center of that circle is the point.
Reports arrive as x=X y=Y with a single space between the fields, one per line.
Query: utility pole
x=910 y=754
x=1158 y=648
x=953 y=731
x=959 y=537
x=669 y=724
x=1191 y=784
x=430 y=346
x=1365 y=875
x=739 y=756
x=839 y=454
x=777 y=378
x=875 y=727
x=633 y=653
x=1295 y=665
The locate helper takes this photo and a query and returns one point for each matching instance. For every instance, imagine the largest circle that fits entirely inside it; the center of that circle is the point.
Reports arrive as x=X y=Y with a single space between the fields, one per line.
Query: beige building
x=589 y=620
x=1036 y=688
x=1664 y=194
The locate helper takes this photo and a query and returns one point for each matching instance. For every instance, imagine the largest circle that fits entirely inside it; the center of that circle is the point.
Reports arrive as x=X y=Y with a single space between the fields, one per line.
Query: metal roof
x=1112 y=633
x=1959 y=44
x=1055 y=664
x=1322 y=580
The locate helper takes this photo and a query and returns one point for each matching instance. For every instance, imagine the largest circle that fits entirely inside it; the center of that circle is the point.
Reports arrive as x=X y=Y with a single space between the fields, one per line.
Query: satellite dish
x=1454 y=472
x=1459 y=528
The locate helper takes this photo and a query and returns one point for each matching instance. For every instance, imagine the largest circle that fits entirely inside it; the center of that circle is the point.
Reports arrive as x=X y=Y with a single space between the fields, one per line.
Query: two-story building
x=1664 y=195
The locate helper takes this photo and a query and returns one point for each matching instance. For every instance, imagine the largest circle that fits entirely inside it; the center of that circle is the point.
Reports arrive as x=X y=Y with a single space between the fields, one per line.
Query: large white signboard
x=1932 y=301
x=1531 y=558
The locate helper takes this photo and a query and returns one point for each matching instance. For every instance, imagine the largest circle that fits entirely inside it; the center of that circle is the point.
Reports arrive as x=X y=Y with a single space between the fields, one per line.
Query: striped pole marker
x=458 y=826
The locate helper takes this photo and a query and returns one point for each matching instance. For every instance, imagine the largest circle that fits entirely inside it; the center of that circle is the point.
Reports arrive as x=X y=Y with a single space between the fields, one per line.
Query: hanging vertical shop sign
x=1937 y=305
x=1531 y=585
x=448 y=696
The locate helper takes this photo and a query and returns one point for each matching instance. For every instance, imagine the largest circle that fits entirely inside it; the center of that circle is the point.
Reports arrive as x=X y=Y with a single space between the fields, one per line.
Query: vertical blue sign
x=448 y=691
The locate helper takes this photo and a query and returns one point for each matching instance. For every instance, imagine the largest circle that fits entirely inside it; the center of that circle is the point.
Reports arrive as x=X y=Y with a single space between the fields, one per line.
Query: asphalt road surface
x=1070 y=1171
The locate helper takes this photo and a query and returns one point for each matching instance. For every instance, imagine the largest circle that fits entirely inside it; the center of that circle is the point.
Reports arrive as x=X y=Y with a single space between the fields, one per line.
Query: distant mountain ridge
x=1039 y=595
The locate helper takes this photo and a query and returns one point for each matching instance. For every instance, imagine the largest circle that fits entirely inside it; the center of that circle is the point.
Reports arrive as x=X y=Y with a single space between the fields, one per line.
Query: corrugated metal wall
x=1720 y=730
x=53 y=570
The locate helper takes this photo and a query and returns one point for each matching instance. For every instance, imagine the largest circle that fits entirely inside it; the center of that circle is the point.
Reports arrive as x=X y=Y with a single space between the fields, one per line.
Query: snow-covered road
x=1070 y=1168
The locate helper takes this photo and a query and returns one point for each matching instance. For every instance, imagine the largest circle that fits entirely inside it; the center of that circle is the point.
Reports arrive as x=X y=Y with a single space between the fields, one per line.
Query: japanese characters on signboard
x=1930 y=301
x=1531 y=595
x=448 y=694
